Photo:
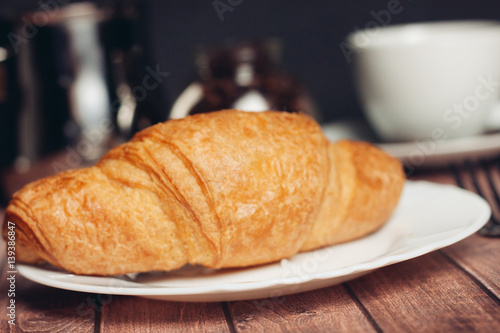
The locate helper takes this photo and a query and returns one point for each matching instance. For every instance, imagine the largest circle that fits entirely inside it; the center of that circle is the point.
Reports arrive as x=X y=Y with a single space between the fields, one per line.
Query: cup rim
x=431 y=32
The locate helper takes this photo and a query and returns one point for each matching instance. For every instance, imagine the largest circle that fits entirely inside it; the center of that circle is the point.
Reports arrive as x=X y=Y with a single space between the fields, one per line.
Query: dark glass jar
x=245 y=76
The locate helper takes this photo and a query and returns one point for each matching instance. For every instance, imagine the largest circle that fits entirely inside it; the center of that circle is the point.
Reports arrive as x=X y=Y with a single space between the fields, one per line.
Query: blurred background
x=80 y=77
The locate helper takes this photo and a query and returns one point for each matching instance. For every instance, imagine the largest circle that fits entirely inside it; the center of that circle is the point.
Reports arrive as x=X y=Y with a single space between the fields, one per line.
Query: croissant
x=222 y=189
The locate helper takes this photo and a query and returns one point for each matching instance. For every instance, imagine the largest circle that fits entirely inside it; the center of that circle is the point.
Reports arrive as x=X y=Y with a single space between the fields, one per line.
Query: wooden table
x=450 y=290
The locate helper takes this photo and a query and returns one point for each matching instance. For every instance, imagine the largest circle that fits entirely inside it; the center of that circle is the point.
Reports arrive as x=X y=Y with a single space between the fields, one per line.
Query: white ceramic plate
x=421 y=153
x=428 y=217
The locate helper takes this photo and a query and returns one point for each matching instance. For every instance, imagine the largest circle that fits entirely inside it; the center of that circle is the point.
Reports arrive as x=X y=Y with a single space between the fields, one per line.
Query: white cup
x=429 y=80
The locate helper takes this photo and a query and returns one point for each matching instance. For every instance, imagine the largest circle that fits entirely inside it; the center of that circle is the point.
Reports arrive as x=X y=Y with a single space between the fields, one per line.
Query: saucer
x=420 y=154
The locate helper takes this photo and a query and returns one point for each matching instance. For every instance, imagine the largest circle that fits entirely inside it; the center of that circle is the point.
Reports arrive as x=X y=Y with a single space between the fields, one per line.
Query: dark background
x=311 y=33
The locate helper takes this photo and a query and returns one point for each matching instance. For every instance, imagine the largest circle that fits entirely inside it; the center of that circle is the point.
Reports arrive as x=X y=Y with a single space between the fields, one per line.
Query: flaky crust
x=224 y=189
x=363 y=190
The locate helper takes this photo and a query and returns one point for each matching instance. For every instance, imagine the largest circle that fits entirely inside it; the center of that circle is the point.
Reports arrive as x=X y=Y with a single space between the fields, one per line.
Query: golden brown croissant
x=223 y=189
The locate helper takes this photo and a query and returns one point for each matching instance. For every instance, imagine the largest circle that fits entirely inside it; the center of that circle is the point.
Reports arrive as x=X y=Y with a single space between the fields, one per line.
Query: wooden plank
x=324 y=310
x=435 y=176
x=134 y=314
x=479 y=256
x=43 y=309
x=482 y=182
x=427 y=294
